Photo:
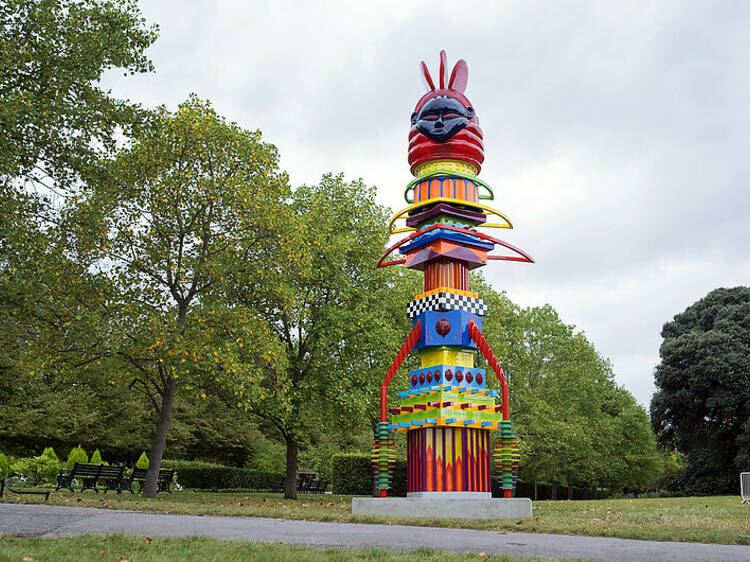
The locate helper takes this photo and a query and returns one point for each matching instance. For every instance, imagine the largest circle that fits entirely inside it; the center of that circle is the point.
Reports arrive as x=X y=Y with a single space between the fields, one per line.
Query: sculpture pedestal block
x=445 y=507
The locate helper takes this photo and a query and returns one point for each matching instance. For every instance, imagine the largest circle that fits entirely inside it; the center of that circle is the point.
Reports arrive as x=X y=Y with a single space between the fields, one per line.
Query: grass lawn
x=139 y=549
x=719 y=519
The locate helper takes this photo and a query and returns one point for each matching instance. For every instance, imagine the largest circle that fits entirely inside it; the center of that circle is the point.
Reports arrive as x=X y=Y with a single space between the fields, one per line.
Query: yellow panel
x=446 y=357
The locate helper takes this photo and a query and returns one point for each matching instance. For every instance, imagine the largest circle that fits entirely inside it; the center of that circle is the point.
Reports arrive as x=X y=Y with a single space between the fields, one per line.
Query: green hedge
x=351 y=473
x=222 y=477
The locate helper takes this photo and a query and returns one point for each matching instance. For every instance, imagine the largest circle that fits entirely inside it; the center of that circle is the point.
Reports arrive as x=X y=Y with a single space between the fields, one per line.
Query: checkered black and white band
x=447 y=301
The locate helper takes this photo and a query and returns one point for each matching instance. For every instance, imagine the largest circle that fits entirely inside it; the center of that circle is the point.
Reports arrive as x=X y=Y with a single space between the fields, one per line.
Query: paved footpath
x=55 y=521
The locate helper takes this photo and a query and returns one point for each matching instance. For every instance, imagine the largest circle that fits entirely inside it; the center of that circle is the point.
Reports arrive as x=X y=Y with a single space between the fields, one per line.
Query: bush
x=4 y=466
x=49 y=452
x=96 y=458
x=36 y=470
x=351 y=473
x=76 y=455
x=222 y=477
x=142 y=461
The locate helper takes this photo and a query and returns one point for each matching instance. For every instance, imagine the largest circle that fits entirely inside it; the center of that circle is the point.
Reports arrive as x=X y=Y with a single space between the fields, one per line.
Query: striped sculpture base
x=446 y=459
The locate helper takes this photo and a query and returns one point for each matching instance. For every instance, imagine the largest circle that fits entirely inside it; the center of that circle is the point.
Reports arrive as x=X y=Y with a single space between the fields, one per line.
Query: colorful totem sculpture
x=448 y=413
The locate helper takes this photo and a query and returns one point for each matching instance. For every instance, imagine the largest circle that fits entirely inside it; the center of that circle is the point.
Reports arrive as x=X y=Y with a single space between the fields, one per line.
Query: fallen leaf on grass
x=123 y=559
x=483 y=555
x=105 y=539
x=148 y=540
x=28 y=559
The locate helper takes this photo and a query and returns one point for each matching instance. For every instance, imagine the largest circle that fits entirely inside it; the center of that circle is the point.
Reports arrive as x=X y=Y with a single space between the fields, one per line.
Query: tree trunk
x=536 y=495
x=290 y=483
x=554 y=489
x=160 y=439
x=570 y=487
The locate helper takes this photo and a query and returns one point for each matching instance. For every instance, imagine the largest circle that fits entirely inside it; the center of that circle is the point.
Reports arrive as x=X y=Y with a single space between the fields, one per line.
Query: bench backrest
x=111 y=471
x=745 y=486
x=86 y=470
x=164 y=474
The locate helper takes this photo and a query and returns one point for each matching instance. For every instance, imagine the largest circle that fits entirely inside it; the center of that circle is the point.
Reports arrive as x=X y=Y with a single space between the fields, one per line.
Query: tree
x=702 y=401
x=159 y=230
x=332 y=310
x=574 y=423
x=55 y=124
x=55 y=120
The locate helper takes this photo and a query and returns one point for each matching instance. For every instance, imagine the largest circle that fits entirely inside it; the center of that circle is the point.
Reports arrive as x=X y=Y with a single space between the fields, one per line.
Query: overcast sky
x=616 y=133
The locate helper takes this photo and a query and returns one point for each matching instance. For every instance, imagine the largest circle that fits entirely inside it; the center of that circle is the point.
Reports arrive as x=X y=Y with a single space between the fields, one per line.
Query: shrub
x=96 y=458
x=37 y=470
x=4 y=466
x=76 y=455
x=351 y=473
x=223 y=477
x=142 y=461
x=49 y=452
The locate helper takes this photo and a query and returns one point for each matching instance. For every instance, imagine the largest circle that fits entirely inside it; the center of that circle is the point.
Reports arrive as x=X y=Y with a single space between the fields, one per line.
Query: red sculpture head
x=444 y=125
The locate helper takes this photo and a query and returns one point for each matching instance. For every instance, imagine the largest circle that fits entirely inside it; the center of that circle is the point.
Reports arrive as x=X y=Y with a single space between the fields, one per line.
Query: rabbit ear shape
x=459 y=76
x=428 y=79
x=443 y=67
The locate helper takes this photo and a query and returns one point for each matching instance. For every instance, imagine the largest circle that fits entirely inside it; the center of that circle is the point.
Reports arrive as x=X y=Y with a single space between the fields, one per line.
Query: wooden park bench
x=318 y=487
x=138 y=475
x=87 y=473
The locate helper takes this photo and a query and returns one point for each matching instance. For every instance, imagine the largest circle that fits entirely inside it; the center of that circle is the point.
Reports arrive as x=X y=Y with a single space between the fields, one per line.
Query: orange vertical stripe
x=461 y=188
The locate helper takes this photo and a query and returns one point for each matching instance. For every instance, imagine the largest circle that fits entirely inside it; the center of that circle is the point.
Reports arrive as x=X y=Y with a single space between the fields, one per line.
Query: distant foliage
x=76 y=455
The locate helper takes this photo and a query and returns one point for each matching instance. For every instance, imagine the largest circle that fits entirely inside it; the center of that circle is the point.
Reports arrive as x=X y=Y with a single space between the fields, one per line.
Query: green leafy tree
x=159 y=232
x=56 y=122
x=702 y=400
x=55 y=118
x=332 y=311
x=574 y=423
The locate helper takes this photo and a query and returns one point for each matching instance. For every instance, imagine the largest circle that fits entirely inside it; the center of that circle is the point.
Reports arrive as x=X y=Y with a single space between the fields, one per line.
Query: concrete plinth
x=445 y=508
